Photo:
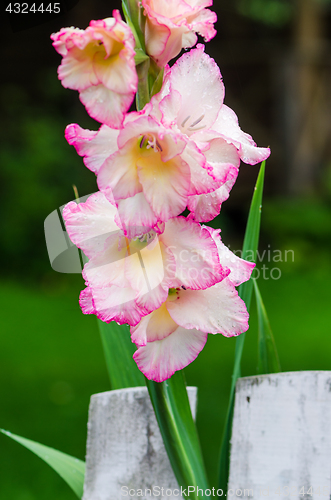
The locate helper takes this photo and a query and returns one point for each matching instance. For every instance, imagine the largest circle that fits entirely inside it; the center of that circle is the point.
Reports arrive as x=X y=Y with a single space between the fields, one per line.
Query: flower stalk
x=173 y=413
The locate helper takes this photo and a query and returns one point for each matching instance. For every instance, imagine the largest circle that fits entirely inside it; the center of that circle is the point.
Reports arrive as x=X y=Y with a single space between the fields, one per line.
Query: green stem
x=173 y=413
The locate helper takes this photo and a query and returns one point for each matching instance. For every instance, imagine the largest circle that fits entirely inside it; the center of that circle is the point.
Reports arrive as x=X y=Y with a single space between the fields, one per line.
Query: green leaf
x=173 y=413
x=268 y=361
x=118 y=348
x=250 y=245
x=140 y=56
x=69 y=468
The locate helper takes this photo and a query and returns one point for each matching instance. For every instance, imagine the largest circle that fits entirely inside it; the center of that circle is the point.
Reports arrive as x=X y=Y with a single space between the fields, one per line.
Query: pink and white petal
x=241 y=269
x=137 y=127
x=60 y=38
x=203 y=137
x=203 y=23
x=199 y=4
x=156 y=38
x=172 y=145
x=138 y=332
x=160 y=359
x=144 y=267
x=169 y=107
x=202 y=179
x=206 y=207
x=89 y=224
x=134 y=272
x=115 y=303
x=173 y=46
x=217 y=309
x=106 y=106
x=107 y=267
x=167 y=11
x=189 y=39
x=116 y=73
x=86 y=302
x=160 y=324
x=102 y=24
x=227 y=125
x=135 y=215
x=95 y=147
x=156 y=326
x=200 y=102
x=221 y=156
x=152 y=300
x=159 y=274
x=121 y=28
x=119 y=173
x=76 y=71
x=80 y=40
x=134 y=115
x=165 y=184
x=196 y=255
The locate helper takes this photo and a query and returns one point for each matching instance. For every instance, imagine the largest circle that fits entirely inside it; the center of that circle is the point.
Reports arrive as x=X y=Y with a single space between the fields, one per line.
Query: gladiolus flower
x=183 y=150
x=119 y=286
x=172 y=336
x=195 y=109
x=149 y=170
x=99 y=63
x=172 y=25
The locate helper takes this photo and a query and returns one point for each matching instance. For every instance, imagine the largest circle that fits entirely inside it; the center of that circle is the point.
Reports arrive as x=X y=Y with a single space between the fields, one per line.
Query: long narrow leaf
x=250 y=245
x=268 y=360
x=69 y=468
x=173 y=413
x=118 y=348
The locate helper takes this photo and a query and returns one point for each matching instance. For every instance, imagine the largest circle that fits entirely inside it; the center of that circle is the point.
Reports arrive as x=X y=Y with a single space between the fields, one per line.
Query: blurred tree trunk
x=307 y=110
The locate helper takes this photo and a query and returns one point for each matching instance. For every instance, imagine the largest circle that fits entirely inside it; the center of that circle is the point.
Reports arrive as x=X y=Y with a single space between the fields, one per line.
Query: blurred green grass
x=51 y=361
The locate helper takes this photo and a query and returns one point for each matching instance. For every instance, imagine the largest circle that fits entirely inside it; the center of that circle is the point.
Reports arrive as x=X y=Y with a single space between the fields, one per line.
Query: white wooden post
x=281 y=437
x=125 y=451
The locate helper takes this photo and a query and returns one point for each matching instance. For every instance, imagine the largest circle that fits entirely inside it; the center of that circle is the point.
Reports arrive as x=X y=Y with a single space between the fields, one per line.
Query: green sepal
x=157 y=85
x=143 y=95
x=140 y=56
x=71 y=469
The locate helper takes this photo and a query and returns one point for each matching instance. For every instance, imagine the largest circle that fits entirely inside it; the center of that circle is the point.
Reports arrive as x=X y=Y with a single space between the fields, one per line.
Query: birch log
x=125 y=452
x=281 y=437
